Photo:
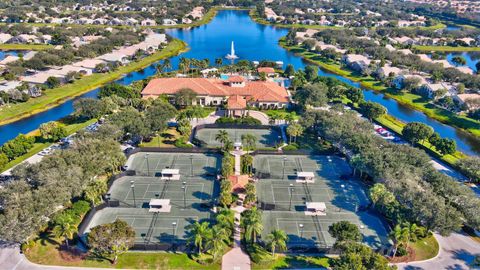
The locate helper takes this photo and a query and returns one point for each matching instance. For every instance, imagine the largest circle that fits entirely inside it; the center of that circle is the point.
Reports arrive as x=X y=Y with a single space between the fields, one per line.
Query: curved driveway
x=456 y=253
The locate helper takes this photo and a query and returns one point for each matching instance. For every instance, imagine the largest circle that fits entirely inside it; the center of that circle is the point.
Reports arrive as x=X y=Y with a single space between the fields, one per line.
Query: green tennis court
x=151 y=164
x=284 y=199
x=190 y=198
x=265 y=137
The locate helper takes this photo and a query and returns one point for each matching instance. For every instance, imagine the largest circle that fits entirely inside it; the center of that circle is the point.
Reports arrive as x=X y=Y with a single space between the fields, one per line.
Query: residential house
x=169 y=22
x=387 y=70
x=148 y=22
x=4 y=37
x=431 y=89
x=399 y=79
x=471 y=101
x=114 y=58
x=356 y=62
x=269 y=71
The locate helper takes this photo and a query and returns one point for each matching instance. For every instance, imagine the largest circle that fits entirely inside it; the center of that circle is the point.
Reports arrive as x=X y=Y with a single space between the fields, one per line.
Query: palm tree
x=222 y=137
x=199 y=235
x=218 y=61
x=184 y=64
x=399 y=236
x=65 y=228
x=167 y=64
x=277 y=239
x=251 y=223
x=220 y=236
x=226 y=218
x=294 y=130
x=249 y=141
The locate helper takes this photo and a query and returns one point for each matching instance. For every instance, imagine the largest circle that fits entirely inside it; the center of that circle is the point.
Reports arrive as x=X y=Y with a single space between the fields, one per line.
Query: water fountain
x=232 y=55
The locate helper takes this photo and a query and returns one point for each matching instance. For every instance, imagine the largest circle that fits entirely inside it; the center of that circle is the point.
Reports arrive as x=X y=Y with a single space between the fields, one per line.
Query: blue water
x=471 y=58
x=254 y=42
x=452 y=28
x=4 y=54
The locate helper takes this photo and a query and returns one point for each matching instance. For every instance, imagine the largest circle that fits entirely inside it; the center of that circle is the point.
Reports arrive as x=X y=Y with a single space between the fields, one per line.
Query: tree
x=250 y=196
x=185 y=97
x=446 y=146
x=470 y=166
x=52 y=131
x=289 y=71
x=277 y=239
x=218 y=62
x=112 y=239
x=120 y=90
x=294 y=130
x=354 y=94
x=459 y=60
x=200 y=233
x=414 y=132
x=131 y=122
x=65 y=228
x=222 y=137
x=247 y=164
x=227 y=165
x=88 y=108
x=251 y=223
x=94 y=191
x=311 y=73
x=372 y=110
x=345 y=231
x=3 y=160
x=158 y=114
x=52 y=82
x=249 y=142
x=226 y=198
x=411 y=83
x=312 y=95
x=400 y=236
x=184 y=127
x=359 y=257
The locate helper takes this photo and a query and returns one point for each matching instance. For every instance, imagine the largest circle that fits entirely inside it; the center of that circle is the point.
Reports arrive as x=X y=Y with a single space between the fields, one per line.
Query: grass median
x=413 y=101
x=25 y=47
x=446 y=48
x=56 y=96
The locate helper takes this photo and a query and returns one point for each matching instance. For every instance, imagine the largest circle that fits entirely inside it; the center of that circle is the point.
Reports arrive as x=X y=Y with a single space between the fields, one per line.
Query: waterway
x=253 y=42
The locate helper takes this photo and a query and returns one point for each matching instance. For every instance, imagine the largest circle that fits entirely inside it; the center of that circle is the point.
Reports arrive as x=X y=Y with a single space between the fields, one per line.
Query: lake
x=253 y=42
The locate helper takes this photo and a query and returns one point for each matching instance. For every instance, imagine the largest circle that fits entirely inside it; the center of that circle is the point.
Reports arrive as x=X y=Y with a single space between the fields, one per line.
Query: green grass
x=41 y=144
x=292 y=261
x=53 y=97
x=281 y=114
x=446 y=48
x=413 y=101
x=46 y=252
x=25 y=47
x=425 y=248
x=166 y=139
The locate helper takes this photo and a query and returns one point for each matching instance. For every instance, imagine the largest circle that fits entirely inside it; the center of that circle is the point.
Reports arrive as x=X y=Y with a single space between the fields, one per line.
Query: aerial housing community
x=320 y=135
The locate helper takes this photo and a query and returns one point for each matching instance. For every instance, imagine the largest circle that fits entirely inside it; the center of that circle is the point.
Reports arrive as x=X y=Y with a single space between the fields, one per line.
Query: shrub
x=248 y=120
x=80 y=208
x=181 y=143
x=258 y=254
x=401 y=251
x=290 y=147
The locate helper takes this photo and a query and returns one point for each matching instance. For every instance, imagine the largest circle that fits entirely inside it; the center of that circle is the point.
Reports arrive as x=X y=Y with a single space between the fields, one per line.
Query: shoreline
x=475 y=132
x=99 y=80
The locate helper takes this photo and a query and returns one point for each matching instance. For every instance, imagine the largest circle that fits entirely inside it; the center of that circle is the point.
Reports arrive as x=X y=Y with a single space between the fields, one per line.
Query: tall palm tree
x=222 y=137
x=249 y=140
x=65 y=229
x=184 y=64
x=294 y=130
x=226 y=218
x=167 y=64
x=399 y=236
x=200 y=233
x=220 y=236
x=218 y=61
x=251 y=223
x=277 y=239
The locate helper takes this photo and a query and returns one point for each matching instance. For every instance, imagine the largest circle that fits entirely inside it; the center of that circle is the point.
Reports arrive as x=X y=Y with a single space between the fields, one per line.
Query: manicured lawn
x=166 y=139
x=446 y=48
x=53 y=97
x=414 y=101
x=281 y=114
x=40 y=144
x=291 y=261
x=425 y=249
x=25 y=47
x=46 y=252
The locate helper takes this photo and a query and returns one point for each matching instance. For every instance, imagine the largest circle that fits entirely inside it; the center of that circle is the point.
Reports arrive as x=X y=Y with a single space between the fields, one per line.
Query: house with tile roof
x=215 y=92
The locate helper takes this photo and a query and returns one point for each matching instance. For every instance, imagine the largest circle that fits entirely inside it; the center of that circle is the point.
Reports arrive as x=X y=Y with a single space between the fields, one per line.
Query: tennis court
x=151 y=164
x=265 y=137
x=284 y=199
x=190 y=198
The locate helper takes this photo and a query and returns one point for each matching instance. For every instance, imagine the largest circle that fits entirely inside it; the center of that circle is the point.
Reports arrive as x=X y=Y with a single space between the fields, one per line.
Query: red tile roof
x=238 y=182
x=253 y=90
x=237 y=79
x=236 y=102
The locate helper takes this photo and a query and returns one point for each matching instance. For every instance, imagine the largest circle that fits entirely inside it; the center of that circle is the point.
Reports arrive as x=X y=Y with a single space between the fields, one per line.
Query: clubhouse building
x=236 y=92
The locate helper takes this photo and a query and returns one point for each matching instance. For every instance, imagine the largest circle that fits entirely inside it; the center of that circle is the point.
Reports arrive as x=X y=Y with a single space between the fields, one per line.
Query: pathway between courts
x=236 y=259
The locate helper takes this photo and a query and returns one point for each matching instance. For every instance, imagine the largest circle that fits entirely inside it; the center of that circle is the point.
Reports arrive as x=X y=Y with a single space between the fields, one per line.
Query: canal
x=253 y=42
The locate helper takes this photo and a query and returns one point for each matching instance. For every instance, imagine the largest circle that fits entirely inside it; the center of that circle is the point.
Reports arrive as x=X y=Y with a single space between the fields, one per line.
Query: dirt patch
x=407 y=258
x=71 y=254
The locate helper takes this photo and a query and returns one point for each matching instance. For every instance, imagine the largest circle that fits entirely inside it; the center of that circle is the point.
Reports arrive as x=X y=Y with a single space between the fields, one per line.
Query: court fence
x=202 y=144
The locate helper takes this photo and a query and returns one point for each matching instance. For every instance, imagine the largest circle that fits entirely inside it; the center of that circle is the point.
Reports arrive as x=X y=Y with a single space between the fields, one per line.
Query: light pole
x=174 y=226
x=191 y=165
x=184 y=187
x=301 y=230
x=148 y=166
x=132 y=185
x=291 y=194
x=284 y=161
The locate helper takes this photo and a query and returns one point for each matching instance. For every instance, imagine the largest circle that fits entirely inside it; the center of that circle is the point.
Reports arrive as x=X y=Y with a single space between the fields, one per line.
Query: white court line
x=268 y=165
x=273 y=194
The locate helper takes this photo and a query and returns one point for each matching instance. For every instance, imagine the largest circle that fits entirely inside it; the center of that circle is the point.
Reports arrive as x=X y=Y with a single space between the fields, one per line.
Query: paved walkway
x=237 y=163
x=457 y=251
x=236 y=259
